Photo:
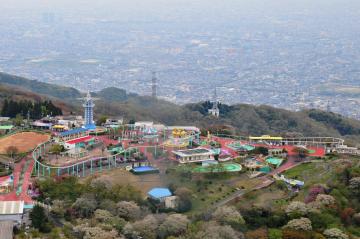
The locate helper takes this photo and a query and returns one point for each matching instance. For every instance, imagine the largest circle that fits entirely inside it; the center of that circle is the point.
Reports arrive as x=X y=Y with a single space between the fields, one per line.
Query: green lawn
x=299 y=171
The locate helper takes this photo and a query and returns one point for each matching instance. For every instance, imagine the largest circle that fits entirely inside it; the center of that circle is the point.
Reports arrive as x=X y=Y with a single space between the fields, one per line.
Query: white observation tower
x=89 y=112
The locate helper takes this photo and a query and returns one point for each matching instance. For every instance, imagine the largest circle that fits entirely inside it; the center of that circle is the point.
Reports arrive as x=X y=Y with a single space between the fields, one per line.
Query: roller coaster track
x=92 y=165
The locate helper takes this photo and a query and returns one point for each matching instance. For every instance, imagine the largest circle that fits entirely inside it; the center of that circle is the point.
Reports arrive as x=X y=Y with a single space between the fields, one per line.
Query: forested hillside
x=40 y=87
x=14 y=100
x=240 y=118
x=36 y=110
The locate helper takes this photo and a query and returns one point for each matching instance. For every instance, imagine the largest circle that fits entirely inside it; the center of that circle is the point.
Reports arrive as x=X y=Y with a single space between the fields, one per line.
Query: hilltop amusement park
x=145 y=153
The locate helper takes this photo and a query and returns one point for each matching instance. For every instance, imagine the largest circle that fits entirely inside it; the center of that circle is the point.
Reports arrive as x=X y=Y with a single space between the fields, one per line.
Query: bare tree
x=12 y=151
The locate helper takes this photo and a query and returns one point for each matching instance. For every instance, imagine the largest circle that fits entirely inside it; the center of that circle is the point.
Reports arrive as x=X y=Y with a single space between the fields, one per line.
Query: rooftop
x=197 y=151
x=73 y=131
x=159 y=193
x=6 y=127
x=79 y=140
x=11 y=207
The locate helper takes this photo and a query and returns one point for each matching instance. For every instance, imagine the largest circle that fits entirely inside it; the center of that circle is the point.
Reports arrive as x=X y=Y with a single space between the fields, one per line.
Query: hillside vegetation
x=40 y=87
x=240 y=118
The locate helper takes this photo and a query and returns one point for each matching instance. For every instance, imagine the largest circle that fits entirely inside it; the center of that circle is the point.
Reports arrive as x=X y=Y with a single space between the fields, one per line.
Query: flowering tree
x=174 y=225
x=145 y=228
x=335 y=233
x=212 y=230
x=301 y=224
x=128 y=210
x=313 y=192
x=228 y=215
x=354 y=186
x=296 y=208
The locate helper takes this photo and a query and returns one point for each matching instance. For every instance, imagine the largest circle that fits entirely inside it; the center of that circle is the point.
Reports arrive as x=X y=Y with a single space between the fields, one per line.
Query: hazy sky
x=113 y=7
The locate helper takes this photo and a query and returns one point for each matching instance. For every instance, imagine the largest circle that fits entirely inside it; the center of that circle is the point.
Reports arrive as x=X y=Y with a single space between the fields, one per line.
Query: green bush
x=275 y=233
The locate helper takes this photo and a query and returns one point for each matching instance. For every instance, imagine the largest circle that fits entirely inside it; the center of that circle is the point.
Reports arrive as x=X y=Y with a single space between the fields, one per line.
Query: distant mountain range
x=240 y=118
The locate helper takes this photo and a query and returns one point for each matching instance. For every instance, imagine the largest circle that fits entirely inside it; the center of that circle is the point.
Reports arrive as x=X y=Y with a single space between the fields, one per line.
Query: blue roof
x=73 y=131
x=159 y=193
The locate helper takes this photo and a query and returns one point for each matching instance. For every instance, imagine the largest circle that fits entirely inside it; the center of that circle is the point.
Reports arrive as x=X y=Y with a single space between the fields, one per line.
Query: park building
x=5 y=129
x=214 y=111
x=72 y=134
x=12 y=211
x=193 y=155
x=266 y=139
x=81 y=142
x=113 y=123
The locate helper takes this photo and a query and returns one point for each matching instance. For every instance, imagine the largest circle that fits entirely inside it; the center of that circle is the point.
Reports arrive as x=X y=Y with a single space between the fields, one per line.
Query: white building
x=11 y=211
x=193 y=155
x=214 y=111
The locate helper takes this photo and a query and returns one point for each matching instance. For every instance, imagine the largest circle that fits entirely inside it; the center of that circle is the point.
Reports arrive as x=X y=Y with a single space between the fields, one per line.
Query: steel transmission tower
x=154 y=85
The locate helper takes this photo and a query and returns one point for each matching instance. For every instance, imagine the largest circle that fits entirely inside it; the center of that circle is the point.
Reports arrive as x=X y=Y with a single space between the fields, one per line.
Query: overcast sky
x=164 y=6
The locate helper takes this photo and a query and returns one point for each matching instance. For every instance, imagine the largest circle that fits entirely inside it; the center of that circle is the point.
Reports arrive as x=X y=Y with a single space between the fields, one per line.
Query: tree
x=313 y=192
x=346 y=215
x=354 y=186
x=302 y=152
x=18 y=120
x=228 y=215
x=174 y=225
x=296 y=209
x=88 y=232
x=102 y=119
x=325 y=200
x=102 y=215
x=85 y=206
x=184 y=195
x=39 y=219
x=128 y=210
x=260 y=233
x=56 y=149
x=11 y=151
x=212 y=230
x=301 y=224
x=260 y=150
x=145 y=228
x=294 y=234
x=320 y=220
x=58 y=207
x=335 y=233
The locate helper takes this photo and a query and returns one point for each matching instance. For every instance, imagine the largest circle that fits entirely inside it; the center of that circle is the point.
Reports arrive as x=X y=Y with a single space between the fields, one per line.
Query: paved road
x=12 y=196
